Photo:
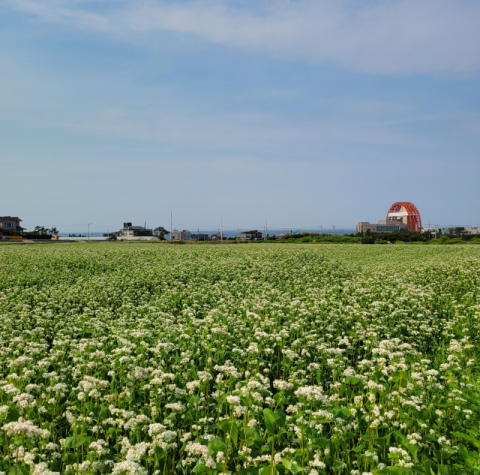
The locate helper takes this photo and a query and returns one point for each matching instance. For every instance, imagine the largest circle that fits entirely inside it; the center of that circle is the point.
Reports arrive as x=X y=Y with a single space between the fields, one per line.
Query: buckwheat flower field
x=259 y=359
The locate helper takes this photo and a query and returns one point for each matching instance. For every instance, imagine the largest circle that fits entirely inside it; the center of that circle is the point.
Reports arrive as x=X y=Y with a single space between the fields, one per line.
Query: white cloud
x=385 y=37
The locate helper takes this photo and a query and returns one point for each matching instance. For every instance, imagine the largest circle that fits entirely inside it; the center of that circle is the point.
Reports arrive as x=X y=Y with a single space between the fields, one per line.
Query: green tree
x=41 y=230
x=160 y=232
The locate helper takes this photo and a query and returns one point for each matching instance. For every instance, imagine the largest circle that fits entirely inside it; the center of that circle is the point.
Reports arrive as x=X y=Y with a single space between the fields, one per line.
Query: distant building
x=402 y=216
x=181 y=235
x=473 y=230
x=199 y=237
x=364 y=227
x=131 y=231
x=249 y=235
x=10 y=223
x=217 y=237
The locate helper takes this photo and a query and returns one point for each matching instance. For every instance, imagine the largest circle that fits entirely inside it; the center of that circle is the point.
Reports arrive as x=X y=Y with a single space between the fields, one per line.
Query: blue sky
x=313 y=112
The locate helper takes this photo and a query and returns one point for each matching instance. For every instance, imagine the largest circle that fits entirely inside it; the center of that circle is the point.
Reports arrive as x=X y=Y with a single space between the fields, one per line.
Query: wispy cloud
x=394 y=37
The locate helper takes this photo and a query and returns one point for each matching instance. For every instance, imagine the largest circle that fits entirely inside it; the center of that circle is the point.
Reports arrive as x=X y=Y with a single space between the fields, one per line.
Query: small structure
x=249 y=235
x=199 y=237
x=217 y=237
x=10 y=223
x=181 y=235
x=133 y=231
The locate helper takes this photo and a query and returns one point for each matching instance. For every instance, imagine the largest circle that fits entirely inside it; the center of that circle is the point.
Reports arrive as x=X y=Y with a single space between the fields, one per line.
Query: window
x=8 y=225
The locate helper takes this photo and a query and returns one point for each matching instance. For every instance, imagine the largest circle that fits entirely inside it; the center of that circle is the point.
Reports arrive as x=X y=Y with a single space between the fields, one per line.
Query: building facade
x=249 y=235
x=473 y=230
x=10 y=223
x=131 y=231
x=199 y=237
x=181 y=235
x=364 y=227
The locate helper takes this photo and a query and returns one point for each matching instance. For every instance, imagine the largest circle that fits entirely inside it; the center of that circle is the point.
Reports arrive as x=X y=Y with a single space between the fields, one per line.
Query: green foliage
x=161 y=232
x=318 y=239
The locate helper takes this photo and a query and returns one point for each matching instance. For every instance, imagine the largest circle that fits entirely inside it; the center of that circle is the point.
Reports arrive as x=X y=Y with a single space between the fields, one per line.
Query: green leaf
x=74 y=442
x=280 y=418
x=253 y=437
x=193 y=400
x=269 y=421
x=202 y=469
x=234 y=433
x=225 y=426
x=217 y=445
x=104 y=413
x=338 y=465
x=360 y=448
x=291 y=466
x=159 y=452
x=400 y=470
x=470 y=438
x=382 y=471
x=351 y=380
x=269 y=415
x=12 y=415
x=268 y=470
x=342 y=414
x=20 y=471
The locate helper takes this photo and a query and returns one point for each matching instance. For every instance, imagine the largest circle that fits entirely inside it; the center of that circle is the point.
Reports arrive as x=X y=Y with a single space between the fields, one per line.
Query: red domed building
x=402 y=215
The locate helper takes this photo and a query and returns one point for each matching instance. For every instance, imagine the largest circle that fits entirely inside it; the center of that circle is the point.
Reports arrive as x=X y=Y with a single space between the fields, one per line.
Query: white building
x=473 y=230
x=249 y=235
x=131 y=231
x=181 y=235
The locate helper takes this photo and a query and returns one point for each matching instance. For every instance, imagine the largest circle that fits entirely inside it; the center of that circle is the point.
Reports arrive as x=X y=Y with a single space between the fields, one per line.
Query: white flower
x=233 y=400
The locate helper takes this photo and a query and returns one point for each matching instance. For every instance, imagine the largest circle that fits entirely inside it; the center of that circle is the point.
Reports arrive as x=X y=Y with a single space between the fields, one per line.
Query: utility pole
x=221 y=224
x=300 y=228
x=333 y=230
x=266 y=229
x=321 y=227
x=171 y=225
x=89 y=230
x=198 y=234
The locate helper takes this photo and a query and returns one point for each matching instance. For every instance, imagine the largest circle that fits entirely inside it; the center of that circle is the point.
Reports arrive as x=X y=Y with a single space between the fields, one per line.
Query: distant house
x=249 y=235
x=199 y=237
x=217 y=237
x=10 y=223
x=181 y=235
x=131 y=231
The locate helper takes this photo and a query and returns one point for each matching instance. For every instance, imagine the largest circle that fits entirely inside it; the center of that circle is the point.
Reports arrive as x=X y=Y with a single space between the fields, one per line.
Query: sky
x=306 y=112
